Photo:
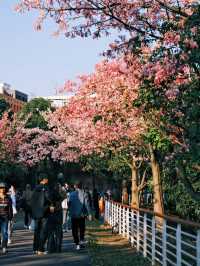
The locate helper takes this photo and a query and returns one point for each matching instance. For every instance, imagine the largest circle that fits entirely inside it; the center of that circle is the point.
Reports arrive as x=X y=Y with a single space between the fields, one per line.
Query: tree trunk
x=134 y=187
x=124 y=192
x=157 y=189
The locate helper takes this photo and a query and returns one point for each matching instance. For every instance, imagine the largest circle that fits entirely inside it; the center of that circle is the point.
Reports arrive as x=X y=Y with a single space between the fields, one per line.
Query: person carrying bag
x=79 y=209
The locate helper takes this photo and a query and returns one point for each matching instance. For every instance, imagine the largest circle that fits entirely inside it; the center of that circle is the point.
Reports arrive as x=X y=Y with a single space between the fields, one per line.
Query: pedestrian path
x=21 y=254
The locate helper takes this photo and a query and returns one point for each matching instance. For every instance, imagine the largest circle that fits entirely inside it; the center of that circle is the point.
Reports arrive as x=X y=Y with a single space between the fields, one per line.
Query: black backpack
x=38 y=204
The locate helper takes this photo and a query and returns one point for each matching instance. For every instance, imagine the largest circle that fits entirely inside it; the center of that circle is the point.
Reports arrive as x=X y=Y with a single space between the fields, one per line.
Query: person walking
x=53 y=230
x=79 y=210
x=26 y=199
x=66 y=216
x=87 y=191
x=6 y=215
x=101 y=205
x=12 y=194
x=39 y=209
x=96 y=203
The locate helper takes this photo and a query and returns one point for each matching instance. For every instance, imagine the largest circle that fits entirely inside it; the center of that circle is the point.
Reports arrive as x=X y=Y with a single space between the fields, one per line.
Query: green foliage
x=97 y=118
x=12 y=172
x=177 y=199
x=4 y=106
x=159 y=142
x=95 y=164
x=193 y=54
x=33 y=110
x=119 y=165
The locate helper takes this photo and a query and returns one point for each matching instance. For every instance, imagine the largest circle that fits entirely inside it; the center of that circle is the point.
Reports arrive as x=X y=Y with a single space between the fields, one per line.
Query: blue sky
x=37 y=63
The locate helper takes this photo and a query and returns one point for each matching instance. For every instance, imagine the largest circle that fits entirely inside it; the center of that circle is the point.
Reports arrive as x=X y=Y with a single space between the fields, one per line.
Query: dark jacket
x=78 y=204
x=6 y=211
x=55 y=199
x=39 y=202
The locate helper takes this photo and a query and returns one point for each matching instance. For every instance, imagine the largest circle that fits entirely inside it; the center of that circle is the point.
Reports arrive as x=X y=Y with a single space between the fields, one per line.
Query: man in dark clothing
x=79 y=209
x=39 y=208
x=26 y=199
x=53 y=229
x=6 y=214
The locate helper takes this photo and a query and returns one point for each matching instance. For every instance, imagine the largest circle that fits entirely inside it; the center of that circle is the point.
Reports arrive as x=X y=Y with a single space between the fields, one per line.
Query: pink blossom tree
x=101 y=117
x=164 y=35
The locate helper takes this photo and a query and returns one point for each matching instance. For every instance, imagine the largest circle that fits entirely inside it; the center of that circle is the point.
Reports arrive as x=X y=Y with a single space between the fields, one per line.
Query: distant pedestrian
x=79 y=210
x=6 y=215
x=96 y=203
x=39 y=209
x=12 y=194
x=67 y=218
x=26 y=200
x=65 y=209
x=101 y=205
x=89 y=197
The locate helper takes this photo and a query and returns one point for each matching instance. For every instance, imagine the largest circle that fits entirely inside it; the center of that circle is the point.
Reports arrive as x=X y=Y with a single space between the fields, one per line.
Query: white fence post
x=130 y=226
x=145 y=235
x=164 y=243
x=198 y=247
x=113 y=215
x=105 y=211
x=153 y=246
x=127 y=223
x=120 y=219
x=178 y=245
x=118 y=216
x=109 y=211
x=124 y=221
x=138 y=230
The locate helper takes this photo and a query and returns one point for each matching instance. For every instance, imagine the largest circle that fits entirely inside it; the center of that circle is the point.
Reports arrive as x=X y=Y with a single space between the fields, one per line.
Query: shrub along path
x=107 y=249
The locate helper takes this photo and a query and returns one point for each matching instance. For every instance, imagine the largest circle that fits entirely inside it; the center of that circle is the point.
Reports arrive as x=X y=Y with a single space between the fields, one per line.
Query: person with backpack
x=6 y=215
x=79 y=209
x=39 y=209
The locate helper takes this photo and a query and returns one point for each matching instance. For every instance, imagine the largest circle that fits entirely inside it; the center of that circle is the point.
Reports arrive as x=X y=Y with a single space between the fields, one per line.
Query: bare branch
x=143 y=183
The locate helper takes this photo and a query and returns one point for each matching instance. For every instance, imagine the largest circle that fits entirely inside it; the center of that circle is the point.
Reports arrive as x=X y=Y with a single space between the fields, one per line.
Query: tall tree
x=33 y=111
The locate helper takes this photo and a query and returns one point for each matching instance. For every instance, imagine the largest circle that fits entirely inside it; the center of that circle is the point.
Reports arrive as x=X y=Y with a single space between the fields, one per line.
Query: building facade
x=15 y=98
x=58 y=101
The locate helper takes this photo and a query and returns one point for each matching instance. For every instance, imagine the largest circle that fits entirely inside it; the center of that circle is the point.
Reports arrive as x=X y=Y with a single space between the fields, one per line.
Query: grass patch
x=107 y=249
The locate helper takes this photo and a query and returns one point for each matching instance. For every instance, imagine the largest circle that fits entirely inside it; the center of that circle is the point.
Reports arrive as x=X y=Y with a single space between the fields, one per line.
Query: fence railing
x=165 y=240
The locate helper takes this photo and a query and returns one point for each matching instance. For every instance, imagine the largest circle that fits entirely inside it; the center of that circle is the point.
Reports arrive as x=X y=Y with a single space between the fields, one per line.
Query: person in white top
x=65 y=209
x=12 y=194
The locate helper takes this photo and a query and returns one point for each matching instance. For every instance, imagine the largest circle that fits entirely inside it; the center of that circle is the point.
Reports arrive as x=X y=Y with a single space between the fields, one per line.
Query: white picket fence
x=164 y=240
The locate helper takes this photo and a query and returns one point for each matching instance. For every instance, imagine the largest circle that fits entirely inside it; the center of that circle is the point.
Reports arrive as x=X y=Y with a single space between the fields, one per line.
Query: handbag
x=84 y=212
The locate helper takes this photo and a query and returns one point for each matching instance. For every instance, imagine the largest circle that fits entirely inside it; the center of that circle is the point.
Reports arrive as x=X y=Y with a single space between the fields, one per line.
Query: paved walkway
x=21 y=254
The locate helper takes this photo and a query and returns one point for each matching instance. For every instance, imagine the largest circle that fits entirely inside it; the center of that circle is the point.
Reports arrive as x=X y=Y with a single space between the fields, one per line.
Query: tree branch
x=173 y=10
x=143 y=183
